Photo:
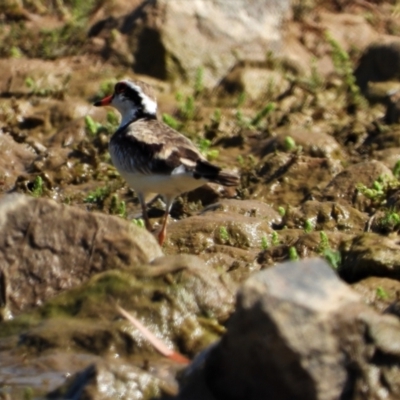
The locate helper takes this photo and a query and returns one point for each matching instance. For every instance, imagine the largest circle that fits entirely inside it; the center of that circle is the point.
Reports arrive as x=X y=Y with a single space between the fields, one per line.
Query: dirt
x=317 y=164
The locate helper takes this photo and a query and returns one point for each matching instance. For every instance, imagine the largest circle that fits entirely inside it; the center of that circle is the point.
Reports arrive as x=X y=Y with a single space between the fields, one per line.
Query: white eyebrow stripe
x=149 y=105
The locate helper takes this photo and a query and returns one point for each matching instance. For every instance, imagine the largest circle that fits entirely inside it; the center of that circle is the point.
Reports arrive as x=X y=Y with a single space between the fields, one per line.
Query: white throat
x=129 y=111
x=128 y=116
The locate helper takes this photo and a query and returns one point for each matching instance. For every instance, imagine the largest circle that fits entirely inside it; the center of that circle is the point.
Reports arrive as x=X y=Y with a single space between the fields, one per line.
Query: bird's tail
x=211 y=172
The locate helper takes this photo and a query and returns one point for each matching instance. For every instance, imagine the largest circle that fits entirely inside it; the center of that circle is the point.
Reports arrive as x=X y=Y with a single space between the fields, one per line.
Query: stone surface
x=46 y=247
x=370 y=254
x=343 y=187
x=110 y=379
x=179 y=298
x=300 y=333
x=388 y=139
x=199 y=233
x=46 y=105
x=289 y=178
x=392 y=115
x=326 y=216
x=257 y=79
x=278 y=312
x=248 y=208
x=41 y=374
x=378 y=292
x=15 y=160
x=389 y=156
x=184 y=36
x=306 y=245
x=314 y=140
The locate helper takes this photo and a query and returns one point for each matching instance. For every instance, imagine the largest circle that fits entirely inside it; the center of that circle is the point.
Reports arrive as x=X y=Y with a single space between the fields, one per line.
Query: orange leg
x=163 y=232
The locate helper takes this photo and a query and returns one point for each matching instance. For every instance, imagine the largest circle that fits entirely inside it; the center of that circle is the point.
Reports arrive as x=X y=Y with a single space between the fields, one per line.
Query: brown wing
x=159 y=149
x=156 y=148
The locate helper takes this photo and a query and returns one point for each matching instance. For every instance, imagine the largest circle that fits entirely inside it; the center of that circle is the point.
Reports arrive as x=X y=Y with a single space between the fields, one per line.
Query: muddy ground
x=318 y=157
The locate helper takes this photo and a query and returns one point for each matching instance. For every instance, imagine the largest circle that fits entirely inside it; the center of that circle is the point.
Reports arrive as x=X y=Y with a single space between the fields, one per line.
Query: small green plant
x=15 y=52
x=223 y=234
x=98 y=195
x=390 y=220
x=333 y=258
x=262 y=114
x=106 y=87
x=112 y=119
x=308 y=226
x=28 y=393
x=281 y=211
x=204 y=147
x=92 y=127
x=293 y=255
x=186 y=107
x=35 y=88
x=396 y=169
x=117 y=206
x=315 y=80
x=324 y=242
x=171 y=121
x=30 y=83
x=344 y=69
x=241 y=121
x=138 y=222
x=275 y=238
x=264 y=243
x=241 y=99
x=199 y=81
x=37 y=187
x=381 y=293
x=289 y=143
x=380 y=187
x=216 y=117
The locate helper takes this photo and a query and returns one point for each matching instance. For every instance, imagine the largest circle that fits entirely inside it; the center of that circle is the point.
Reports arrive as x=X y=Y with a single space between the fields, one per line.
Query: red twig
x=158 y=344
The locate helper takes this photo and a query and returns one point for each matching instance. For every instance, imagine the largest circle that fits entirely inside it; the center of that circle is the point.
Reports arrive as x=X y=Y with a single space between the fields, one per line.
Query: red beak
x=104 y=102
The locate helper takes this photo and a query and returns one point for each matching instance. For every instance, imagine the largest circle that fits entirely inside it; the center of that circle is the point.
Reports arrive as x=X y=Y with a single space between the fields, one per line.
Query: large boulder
x=300 y=333
x=172 y=39
x=379 y=62
x=46 y=247
x=180 y=299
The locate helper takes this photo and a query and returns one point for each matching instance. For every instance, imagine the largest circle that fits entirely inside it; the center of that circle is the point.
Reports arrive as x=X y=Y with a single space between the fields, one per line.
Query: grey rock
x=280 y=336
x=326 y=215
x=109 y=379
x=172 y=39
x=370 y=254
x=300 y=333
x=313 y=140
x=248 y=208
x=343 y=187
x=201 y=232
x=299 y=177
x=46 y=247
x=180 y=298
x=16 y=158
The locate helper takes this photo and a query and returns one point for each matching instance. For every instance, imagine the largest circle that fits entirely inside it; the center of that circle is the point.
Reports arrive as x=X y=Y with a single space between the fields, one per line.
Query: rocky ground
x=311 y=125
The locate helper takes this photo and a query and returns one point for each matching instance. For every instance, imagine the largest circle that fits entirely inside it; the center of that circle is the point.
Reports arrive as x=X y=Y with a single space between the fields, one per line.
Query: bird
x=152 y=157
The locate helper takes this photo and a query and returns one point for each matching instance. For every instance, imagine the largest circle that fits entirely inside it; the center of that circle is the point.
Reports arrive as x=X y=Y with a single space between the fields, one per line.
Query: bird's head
x=132 y=99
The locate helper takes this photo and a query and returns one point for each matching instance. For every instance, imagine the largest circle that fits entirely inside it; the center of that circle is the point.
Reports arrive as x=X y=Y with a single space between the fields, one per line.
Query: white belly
x=167 y=185
x=178 y=182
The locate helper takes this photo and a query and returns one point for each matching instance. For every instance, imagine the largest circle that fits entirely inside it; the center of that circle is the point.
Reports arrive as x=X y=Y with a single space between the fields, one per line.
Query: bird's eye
x=120 y=87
